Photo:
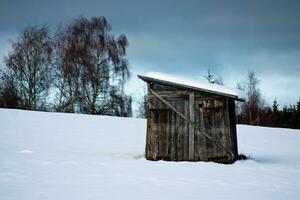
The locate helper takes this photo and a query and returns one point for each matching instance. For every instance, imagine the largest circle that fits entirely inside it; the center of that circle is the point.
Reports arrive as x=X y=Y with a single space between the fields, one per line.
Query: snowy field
x=81 y=157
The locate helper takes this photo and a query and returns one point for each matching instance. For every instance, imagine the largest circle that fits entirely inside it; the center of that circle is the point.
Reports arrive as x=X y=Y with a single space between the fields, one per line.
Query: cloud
x=187 y=37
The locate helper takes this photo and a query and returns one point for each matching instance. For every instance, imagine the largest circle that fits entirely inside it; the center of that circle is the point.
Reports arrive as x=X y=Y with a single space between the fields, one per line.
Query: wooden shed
x=190 y=121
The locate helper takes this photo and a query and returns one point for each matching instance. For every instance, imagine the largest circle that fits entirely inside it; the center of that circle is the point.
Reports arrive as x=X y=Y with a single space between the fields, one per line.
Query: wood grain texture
x=191 y=127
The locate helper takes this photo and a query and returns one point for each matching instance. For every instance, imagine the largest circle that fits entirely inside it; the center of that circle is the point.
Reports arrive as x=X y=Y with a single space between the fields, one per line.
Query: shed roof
x=166 y=79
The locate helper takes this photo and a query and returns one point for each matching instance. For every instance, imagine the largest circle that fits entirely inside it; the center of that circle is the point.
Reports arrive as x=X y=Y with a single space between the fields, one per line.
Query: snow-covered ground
x=81 y=157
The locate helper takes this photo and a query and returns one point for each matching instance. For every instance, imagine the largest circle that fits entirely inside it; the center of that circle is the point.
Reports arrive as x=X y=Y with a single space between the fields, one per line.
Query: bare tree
x=67 y=70
x=251 y=109
x=254 y=97
x=209 y=77
x=8 y=92
x=29 y=66
x=142 y=106
x=91 y=68
x=118 y=105
x=239 y=105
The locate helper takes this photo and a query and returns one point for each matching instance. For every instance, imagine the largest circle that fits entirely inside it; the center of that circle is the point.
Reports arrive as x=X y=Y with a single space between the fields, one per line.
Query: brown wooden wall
x=170 y=137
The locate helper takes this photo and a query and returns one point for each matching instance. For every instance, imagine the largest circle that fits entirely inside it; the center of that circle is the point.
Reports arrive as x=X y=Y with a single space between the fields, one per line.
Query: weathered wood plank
x=173 y=136
x=148 y=141
x=197 y=137
x=186 y=131
x=155 y=136
x=191 y=127
x=178 y=134
x=203 y=150
x=160 y=133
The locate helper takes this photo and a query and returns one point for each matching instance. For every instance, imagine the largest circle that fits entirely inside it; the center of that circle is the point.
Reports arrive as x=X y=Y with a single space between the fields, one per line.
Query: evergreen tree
x=275 y=114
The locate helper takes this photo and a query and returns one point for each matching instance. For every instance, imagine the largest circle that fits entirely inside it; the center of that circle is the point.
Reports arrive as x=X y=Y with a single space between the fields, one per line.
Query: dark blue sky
x=186 y=37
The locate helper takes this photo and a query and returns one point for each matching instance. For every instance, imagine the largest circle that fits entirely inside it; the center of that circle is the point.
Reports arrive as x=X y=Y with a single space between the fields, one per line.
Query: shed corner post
x=149 y=153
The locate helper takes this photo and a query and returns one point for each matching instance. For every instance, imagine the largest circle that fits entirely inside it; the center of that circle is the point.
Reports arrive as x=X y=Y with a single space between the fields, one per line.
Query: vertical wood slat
x=155 y=138
x=202 y=148
x=197 y=140
x=186 y=131
x=167 y=136
x=150 y=146
x=173 y=136
x=160 y=134
x=148 y=141
x=178 y=134
x=191 y=128
x=222 y=129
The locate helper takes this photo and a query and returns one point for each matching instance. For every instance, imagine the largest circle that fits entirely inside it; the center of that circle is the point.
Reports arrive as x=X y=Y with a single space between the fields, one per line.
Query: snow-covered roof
x=194 y=85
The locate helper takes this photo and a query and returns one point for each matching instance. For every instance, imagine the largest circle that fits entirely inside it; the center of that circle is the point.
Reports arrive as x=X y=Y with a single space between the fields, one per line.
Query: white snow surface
x=73 y=156
x=196 y=84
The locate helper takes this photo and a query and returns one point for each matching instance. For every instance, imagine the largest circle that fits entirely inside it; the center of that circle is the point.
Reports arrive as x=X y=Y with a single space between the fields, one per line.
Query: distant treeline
x=254 y=111
x=287 y=117
x=80 y=68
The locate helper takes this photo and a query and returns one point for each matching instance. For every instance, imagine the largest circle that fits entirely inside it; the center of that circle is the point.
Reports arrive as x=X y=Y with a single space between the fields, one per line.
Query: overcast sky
x=186 y=37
